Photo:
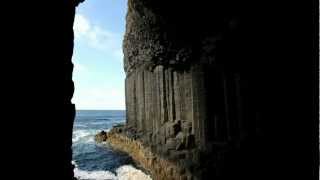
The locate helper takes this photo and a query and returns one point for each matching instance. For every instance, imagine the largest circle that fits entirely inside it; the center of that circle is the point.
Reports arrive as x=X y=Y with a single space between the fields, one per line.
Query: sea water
x=99 y=161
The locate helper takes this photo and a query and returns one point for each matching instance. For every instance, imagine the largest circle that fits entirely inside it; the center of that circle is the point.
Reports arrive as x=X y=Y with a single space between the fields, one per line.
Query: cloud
x=81 y=25
x=99 y=98
x=97 y=37
x=79 y=68
x=89 y=95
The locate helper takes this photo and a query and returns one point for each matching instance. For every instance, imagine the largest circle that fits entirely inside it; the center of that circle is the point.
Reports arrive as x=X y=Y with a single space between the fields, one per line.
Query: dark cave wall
x=41 y=89
x=213 y=73
x=54 y=53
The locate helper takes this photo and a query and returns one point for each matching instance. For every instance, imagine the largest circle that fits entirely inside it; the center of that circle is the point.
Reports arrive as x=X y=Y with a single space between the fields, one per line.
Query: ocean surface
x=99 y=161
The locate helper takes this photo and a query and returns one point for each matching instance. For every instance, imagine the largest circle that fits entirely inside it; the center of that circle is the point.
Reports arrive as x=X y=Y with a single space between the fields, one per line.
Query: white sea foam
x=82 y=134
x=125 y=172
x=97 y=123
x=85 y=135
x=128 y=172
x=94 y=175
x=80 y=125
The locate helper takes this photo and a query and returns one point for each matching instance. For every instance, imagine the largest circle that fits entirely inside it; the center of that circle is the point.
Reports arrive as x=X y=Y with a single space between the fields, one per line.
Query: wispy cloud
x=81 y=25
x=99 y=98
x=96 y=36
x=79 y=68
x=89 y=94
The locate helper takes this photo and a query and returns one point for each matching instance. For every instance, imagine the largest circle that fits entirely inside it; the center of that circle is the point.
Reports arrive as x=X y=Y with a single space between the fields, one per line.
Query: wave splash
x=80 y=135
x=125 y=172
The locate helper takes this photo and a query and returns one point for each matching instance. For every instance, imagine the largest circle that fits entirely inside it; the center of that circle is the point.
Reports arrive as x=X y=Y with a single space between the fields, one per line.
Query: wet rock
x=171 y=143
x=186 y=126
x=177 y=155
x=172 y=129
x=190 y=141
x=180 y=146
x=101 y=137
x=181 y=141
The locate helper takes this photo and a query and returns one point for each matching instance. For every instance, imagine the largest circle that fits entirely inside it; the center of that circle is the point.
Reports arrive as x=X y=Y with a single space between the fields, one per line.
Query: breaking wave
x=83 y=135
x=124 y=172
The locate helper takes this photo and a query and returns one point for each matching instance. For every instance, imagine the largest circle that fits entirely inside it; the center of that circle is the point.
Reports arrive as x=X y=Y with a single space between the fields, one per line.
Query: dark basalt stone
x=171 y=144
x=172 y=129
x=101 y=137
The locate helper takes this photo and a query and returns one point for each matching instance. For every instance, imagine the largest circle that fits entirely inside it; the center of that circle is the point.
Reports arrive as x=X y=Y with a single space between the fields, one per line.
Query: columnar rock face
x=186 y=93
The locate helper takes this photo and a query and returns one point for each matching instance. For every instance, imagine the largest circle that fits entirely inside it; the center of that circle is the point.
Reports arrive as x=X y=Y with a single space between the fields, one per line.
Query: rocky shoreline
x=176 y=164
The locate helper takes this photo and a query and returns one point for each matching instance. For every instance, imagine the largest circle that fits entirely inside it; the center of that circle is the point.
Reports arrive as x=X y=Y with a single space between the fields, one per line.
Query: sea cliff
x=187 y=103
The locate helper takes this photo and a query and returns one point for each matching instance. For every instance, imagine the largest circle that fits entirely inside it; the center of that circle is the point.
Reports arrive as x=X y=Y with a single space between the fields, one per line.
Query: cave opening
x=98 y=77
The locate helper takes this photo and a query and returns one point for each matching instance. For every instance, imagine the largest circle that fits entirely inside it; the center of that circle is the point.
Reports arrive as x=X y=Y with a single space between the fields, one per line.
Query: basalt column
x=186 y=95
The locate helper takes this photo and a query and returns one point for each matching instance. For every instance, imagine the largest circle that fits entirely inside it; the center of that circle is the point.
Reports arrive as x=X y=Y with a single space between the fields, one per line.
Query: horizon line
x=100 y=109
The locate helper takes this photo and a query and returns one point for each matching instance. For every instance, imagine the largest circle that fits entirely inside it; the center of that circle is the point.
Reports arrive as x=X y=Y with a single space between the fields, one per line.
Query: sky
x=98 y=72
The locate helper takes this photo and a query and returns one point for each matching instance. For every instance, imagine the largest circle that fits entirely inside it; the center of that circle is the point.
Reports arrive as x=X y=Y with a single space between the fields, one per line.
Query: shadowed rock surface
x=199 y=87
x=187 y=91
x=219 y=79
